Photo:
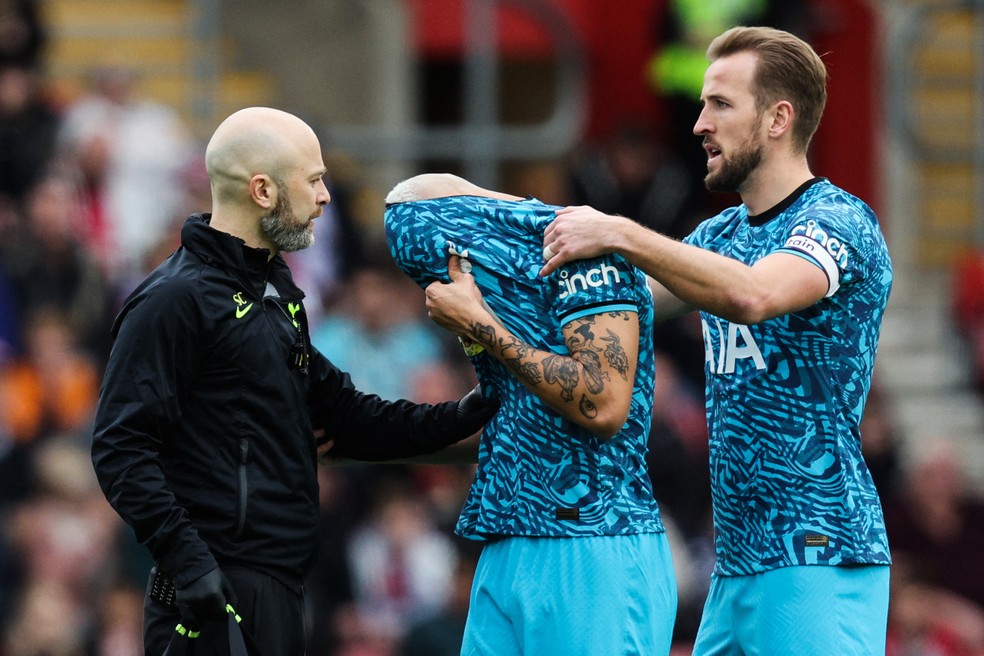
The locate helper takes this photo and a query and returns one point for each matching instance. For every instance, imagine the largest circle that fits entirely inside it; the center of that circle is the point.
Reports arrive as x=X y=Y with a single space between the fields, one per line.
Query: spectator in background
x=22 y=35
x=443 y=487
x=676 y=69
x=927 y=620
x=440 y=633
x=61 y=538
x=53 y=387
x=634 y=175
x=937 y=524
x=28 y=129
x=340 y=246
x=49 y=264
x=375 y=332
x=402 y=566
x=117 y=628
x=967 y=309
x=133 y=155
x=50 y=389
x=47 y=621
x=65 y=530
x=341 y=504
x=28 y=125
x=9 y=316
x=881 y=446
x=678 y=452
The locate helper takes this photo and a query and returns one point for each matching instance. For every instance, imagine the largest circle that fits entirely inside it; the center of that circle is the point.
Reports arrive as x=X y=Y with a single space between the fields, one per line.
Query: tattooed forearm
x=591 y=357
x=530 y=372
x=594 y=375
x=615 y=355
x=563 y=371
x=514 y=348
x=483 y=333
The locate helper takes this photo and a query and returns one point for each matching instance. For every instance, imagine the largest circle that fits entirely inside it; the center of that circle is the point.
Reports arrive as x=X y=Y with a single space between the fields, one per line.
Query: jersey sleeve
x=585 y=287
x=834 y=241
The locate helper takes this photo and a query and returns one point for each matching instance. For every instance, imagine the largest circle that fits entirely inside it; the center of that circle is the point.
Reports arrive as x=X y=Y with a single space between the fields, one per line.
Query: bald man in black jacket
x=204 y=439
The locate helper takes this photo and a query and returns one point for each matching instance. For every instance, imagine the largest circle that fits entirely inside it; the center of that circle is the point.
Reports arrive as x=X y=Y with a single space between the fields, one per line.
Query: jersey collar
x=783 y=205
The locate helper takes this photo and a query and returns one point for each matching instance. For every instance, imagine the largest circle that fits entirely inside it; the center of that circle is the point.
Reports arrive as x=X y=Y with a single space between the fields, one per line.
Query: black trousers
x=272 y=619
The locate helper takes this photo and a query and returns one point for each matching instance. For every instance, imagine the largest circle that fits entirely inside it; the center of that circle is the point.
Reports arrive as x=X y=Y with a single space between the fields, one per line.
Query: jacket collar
x=225 y=251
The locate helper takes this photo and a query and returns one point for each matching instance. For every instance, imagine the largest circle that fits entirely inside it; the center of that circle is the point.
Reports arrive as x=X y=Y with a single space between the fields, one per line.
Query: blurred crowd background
x=101 y=162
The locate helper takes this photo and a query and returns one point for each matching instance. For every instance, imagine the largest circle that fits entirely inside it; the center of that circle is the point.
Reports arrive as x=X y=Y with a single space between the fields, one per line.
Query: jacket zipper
x=243 y=487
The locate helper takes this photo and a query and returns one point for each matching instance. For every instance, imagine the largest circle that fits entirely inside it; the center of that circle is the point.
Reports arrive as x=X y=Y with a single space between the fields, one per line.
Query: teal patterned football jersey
x=785 y=396
x=538 y=473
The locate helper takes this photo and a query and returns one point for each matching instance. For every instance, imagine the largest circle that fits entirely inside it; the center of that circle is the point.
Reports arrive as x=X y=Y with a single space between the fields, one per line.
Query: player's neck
x=773 y=181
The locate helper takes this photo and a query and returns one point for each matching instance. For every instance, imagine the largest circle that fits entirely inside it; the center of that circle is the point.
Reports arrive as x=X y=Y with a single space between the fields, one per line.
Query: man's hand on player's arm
x=580 y=232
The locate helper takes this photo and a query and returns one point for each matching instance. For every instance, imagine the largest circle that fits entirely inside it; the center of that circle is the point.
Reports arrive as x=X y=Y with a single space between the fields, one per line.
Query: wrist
x=617 y=237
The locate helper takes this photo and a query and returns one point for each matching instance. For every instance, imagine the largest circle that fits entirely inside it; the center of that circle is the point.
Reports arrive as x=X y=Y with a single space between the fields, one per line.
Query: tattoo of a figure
x=562 y=371
x=594 y=375
x=581 y=344
x=530 y=372
x=615 y=355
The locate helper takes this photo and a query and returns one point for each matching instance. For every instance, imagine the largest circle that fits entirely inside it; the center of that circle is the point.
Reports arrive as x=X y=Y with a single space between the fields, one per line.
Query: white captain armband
x=820 y=254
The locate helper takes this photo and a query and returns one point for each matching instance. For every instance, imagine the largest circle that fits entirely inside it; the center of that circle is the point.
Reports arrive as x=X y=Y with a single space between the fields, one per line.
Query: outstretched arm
x=591 y=385
x=775 y=285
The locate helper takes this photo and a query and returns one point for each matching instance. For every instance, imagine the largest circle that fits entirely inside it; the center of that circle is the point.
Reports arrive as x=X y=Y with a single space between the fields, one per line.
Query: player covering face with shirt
x=574 y=543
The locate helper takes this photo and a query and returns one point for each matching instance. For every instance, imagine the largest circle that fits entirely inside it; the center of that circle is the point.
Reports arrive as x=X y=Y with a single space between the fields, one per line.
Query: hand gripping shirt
x=784 y=397
x=538 y=473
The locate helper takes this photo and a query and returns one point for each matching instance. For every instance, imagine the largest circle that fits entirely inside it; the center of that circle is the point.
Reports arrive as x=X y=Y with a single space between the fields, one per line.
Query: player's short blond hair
x=788 y=69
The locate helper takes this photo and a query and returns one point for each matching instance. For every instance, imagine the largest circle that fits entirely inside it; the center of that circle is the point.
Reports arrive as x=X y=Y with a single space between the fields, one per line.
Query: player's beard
x=735 y=168
x=281 y=227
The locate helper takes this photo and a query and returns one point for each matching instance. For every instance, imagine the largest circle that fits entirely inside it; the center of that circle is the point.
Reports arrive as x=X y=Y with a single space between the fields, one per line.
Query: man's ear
x=781 y=119
x=263 y=191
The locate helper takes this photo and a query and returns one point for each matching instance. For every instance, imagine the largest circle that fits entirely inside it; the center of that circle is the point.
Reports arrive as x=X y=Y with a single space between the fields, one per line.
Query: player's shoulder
x=827 y=198
x=180 y=282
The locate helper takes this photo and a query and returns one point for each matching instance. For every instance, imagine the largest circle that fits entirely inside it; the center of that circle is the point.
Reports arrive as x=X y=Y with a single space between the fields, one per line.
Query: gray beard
x=283 y=233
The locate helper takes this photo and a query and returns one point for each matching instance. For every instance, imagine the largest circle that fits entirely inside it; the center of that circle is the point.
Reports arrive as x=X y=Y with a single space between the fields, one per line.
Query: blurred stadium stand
x=174 y=47
x=933 y=180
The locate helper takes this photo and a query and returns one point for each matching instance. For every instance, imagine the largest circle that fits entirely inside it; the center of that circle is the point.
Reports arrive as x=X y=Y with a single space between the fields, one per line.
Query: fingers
x=551 y=260
x=454 y=268
x=572 y=235
x=551 y=243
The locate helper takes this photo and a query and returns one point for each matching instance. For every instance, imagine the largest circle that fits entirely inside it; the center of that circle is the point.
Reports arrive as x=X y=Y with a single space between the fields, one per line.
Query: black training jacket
x=203 y=438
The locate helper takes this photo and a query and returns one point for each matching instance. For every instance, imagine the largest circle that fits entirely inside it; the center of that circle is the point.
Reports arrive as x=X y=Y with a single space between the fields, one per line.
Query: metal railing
x=481 y=142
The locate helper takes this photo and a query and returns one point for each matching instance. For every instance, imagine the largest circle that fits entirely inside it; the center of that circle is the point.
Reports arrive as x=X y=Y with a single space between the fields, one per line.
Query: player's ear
x=263 y=191
x=781 y=118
